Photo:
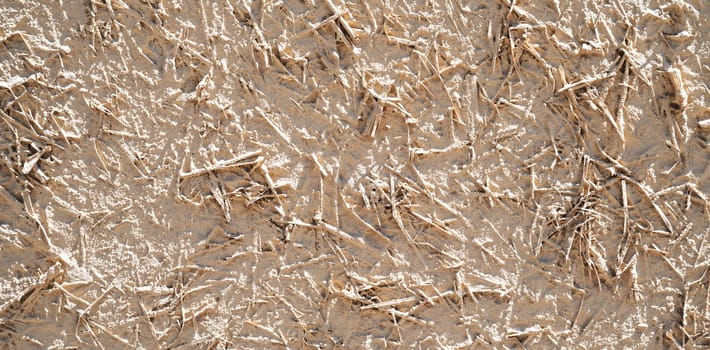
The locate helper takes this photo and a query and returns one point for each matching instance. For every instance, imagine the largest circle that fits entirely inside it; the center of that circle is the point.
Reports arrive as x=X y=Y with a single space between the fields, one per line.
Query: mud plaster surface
x=361 y=174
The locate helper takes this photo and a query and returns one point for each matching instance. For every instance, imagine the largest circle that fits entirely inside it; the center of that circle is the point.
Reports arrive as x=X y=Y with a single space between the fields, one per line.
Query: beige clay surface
x=327 y=174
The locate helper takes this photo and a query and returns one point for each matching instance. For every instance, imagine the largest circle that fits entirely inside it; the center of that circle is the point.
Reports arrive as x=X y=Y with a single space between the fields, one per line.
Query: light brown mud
x=354 y=174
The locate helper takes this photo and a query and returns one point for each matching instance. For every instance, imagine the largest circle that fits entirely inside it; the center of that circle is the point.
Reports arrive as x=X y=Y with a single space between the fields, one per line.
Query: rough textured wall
x=360 y=174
